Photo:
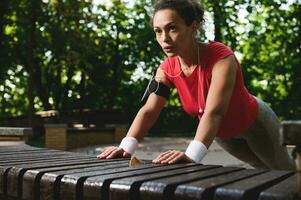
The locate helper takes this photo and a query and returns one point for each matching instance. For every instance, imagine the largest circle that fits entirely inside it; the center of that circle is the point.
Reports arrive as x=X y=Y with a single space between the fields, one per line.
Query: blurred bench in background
x=76 y=129
x=63 y=137
x=291 y=135
x=14 y=134
x=73 y=129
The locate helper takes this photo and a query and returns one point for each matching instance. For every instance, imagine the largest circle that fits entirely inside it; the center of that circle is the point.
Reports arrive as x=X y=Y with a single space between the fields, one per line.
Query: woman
x=209 y=81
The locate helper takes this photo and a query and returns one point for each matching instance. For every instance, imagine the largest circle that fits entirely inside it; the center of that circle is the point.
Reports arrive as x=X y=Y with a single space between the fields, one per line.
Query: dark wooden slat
x=4 y=168
x=32 y=156
x=13 y=176
x=52 y=181
x=22 y=151
x=3 y=148
x=20 y=156
x=32 y=178
x=9 y=163
x=204 y=189
x=8 y=159
x=98 y=187
x=28 y=152
x=72 y=185
x=285 y=190
x=38 y=160
x=164 y=188
x=10 y=173
x=250 y=187
x=12 y=161
x=128 y=188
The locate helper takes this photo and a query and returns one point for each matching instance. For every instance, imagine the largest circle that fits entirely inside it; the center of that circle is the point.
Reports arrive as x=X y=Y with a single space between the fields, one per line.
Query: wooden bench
x=100 y=126
x=36 y=173
x=62 y=137
x=14 y=134
x=82 y=128
x=291 y=135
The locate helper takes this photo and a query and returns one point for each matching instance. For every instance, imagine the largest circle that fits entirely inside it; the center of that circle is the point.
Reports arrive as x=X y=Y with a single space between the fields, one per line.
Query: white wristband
x=129 y=144
x=196 y=151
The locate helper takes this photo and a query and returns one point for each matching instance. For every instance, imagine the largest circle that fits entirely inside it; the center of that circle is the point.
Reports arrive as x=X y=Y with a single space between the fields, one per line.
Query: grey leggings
x=259 y=146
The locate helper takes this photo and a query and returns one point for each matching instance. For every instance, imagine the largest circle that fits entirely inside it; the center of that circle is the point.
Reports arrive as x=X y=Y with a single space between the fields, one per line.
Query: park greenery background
x=99 y=55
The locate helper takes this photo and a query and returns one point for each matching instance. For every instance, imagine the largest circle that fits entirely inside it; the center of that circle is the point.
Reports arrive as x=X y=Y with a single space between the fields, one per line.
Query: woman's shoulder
x=218 y=46
x=218 y=50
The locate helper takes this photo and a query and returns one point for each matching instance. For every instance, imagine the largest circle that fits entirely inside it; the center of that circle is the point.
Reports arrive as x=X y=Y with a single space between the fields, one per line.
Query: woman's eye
x=157 y=31
x=172 y=28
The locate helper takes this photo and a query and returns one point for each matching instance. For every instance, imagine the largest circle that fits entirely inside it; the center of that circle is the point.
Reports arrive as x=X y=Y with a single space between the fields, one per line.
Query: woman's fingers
x=108 y=153
x=105 y=152
x=176 y=158
x=171 y=157
x=162 y=156
x=115 y=153
x=165 y=156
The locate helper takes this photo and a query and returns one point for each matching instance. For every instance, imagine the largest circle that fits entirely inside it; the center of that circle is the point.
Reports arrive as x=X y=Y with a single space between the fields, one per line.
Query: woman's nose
x=166 y=37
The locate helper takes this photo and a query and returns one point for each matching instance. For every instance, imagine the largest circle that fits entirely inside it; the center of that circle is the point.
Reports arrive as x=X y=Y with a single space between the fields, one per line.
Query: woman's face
x=172 y=33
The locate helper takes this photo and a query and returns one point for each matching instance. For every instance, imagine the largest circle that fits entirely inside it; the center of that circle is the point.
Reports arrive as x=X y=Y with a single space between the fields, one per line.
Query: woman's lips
x=168 y=48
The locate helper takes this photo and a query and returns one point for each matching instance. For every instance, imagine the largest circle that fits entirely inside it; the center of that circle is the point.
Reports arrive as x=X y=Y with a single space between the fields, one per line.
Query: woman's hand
x=113 y=152
x=172 y=157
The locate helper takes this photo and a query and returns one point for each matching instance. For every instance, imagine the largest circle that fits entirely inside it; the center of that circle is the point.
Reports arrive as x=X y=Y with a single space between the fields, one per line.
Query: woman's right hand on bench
x=113 y=152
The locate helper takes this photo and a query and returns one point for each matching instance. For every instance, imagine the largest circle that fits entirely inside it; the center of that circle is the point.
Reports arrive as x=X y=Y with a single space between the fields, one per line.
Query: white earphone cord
x=177 y=75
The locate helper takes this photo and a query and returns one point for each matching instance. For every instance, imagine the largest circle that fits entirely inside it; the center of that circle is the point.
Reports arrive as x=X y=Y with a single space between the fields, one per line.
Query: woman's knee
x=239 y=148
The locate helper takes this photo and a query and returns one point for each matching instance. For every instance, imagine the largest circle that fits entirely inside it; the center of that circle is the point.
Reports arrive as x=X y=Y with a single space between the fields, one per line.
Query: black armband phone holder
x=158 y=88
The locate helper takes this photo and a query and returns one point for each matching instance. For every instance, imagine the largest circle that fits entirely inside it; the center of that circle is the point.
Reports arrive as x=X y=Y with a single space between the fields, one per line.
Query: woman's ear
x=195 y=27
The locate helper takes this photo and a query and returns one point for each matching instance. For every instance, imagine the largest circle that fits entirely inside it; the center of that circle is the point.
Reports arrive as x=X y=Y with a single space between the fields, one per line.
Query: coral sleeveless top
x=243 y=107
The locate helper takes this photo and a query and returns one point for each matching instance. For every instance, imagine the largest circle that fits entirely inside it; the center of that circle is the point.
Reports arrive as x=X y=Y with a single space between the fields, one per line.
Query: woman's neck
x=190 y=57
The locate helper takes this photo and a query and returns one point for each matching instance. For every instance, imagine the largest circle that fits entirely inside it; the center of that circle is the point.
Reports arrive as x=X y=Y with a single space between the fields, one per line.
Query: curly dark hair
x=189 y=10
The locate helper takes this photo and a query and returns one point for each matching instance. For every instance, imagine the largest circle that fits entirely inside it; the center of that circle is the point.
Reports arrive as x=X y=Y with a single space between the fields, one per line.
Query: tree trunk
x=35 y=74
x=3 y=8
x=297 y=66
x=58 y=84
x=66 y=87
x=298 y=18
x=31 y=63
x=217 y=21
x=115 y=78
x=116 y=68
x=82 y=90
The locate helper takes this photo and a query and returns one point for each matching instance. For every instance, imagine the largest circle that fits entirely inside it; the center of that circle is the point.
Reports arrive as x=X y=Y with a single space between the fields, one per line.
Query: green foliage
x=83 y=55
x=272 y=56
x=80 y=58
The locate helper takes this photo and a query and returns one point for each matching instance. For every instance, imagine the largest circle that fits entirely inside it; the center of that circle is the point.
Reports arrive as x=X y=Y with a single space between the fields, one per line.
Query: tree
x=78 y=55
x=271 y=52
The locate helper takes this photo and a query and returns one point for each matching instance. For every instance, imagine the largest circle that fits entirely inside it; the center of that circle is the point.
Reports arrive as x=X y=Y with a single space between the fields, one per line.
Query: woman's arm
x=218 y=99
x=219 y=95
x=149 y=113
x=145 y=118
